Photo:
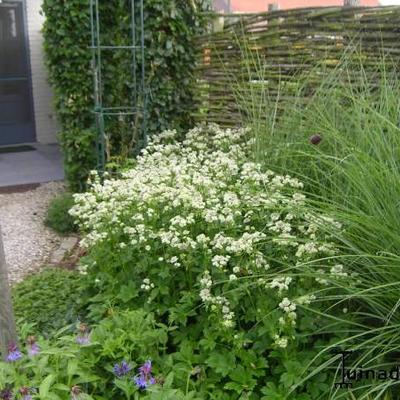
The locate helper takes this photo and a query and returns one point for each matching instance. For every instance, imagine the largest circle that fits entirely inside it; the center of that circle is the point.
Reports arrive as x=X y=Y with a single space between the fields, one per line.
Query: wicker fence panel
x=281 y=46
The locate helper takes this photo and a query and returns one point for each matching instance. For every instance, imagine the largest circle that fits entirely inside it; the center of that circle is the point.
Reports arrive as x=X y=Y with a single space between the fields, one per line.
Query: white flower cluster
x=287 y=306
x=281 y=342
x=216 y=302
x=281 y=283
x=147 y=285
x=82 y=269
x=335 y=272
x=202 y=205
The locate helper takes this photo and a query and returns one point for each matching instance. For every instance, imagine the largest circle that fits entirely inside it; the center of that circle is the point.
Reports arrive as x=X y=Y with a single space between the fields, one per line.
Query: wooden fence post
x=7 y=323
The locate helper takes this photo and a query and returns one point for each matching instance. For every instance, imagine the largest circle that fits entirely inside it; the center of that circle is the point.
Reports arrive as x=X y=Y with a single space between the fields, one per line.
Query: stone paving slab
x=39 y=166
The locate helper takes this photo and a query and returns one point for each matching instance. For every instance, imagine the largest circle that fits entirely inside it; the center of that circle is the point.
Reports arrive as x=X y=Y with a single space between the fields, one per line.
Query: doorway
x=16 y=108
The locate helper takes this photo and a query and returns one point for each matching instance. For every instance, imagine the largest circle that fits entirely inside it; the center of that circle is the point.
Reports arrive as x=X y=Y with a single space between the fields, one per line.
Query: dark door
x=16 y=117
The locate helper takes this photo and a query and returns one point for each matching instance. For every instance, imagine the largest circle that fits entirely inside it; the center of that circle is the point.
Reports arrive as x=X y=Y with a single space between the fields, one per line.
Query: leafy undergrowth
x=50 y=300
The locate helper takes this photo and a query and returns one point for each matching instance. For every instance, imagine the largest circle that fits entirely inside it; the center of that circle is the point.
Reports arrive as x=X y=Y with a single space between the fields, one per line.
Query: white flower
x=281 y=283
x=287 y=306
x=281 y=342
x=220 y=261
x=206 y=209
x=82 y=269
x=305 y=300
x=337 y=271
x=147 y=285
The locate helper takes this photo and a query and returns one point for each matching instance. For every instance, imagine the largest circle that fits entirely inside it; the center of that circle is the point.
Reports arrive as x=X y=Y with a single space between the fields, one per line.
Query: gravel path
x=27 y=242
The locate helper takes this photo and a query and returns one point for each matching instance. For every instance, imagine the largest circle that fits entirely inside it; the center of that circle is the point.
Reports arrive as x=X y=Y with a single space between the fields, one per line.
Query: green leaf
x=222 y=363
x=45 y=386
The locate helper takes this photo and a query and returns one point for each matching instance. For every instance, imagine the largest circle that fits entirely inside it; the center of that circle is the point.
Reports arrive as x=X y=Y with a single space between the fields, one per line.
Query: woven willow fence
x=274 y=50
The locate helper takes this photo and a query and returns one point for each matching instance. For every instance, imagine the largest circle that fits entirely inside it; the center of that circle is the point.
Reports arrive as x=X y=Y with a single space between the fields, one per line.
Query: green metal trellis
x=136 y=49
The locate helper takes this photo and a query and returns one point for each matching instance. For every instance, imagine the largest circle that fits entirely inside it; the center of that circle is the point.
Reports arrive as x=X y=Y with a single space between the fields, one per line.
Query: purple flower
x=143 y=382
x=144 y=379
x=140 y=381
x=33 y=347
x=13 y=353
x=83 y=339
x=6 y=394
x=122 y=369
x=75 y=392
x=33 y=350
x=26 y=393
x=145 y=369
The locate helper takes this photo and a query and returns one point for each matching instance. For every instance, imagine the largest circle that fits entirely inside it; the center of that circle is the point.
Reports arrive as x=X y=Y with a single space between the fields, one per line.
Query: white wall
x=45 y=118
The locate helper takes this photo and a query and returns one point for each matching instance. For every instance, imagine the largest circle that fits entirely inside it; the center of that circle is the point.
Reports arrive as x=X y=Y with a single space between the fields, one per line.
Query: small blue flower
x=140 y=381
x=122 y=369
x=13 y=353
x=144 y=379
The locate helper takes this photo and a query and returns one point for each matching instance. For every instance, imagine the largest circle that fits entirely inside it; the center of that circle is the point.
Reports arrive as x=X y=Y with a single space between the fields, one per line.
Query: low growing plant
x=58 y=217
x=111 y=360
x=50 y=300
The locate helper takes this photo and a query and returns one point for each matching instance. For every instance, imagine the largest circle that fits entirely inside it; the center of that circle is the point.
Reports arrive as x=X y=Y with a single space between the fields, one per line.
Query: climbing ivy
x=170 y=26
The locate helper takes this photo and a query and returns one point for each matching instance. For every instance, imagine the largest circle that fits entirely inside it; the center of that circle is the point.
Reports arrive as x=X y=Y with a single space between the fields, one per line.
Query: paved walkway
x=29 y=167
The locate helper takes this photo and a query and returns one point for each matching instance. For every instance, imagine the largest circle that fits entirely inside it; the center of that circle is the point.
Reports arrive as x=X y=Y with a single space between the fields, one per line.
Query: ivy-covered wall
x=170 y=26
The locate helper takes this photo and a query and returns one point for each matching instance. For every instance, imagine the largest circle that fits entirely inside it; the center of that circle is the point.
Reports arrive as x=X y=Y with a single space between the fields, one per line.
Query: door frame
x=28 y=64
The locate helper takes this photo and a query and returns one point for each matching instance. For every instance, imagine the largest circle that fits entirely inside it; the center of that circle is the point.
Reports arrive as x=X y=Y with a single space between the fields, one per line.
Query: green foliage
x=64 y=368
x=353 y=175
x=199 y=237
x=58 y=217
x=79 y=156
x=50 y=300
x=169 y=61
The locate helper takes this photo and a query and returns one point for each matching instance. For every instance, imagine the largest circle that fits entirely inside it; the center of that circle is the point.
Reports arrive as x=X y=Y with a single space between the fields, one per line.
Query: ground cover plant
x=50 y=300
x=89 y=364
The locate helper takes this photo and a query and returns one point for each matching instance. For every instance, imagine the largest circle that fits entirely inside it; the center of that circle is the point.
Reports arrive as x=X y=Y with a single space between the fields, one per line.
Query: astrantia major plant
x=210 y=241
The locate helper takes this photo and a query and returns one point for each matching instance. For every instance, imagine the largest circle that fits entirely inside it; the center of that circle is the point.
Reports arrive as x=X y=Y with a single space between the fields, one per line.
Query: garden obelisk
x=7 y=324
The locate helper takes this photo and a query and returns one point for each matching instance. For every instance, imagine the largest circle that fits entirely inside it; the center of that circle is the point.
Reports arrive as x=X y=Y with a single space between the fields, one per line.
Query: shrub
x=58 y=217
x=50 y=300
x=169 y=59
x=224 y=250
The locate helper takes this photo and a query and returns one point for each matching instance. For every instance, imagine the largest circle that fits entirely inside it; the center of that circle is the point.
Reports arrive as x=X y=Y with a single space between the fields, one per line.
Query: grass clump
x=343 y=142
x=58 y=217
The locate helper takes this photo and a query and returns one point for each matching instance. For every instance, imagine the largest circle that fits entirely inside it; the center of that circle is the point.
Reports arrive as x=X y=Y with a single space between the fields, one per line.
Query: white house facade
x=26 y=103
